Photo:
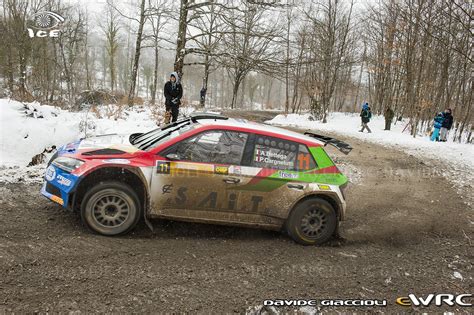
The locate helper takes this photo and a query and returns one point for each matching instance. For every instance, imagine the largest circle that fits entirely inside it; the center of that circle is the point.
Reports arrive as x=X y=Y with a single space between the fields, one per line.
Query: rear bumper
x=341 y=201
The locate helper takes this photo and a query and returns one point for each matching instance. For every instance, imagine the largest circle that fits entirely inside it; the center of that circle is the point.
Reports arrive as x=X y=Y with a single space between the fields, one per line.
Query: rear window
x=276 y=153
x=270 y=152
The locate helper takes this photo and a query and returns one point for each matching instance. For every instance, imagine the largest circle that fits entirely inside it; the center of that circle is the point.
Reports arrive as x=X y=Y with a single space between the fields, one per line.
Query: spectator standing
x=437 y=124
x=173 y=92
x=388 y=114
x=446 y=126
x=365 y=116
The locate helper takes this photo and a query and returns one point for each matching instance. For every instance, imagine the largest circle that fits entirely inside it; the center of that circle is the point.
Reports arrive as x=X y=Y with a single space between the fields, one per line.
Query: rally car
x=203 y=168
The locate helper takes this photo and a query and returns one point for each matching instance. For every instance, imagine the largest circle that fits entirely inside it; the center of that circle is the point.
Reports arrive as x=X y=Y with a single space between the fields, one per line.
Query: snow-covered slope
x=456 y=159
x=349 y=124
x=27 y=132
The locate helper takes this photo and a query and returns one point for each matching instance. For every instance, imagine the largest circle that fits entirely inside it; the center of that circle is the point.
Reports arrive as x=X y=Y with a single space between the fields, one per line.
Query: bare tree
x=16 y=13
x=157 y=20
x=251 y=43
x=420 y=54
x=136 y=59
x=328 y=53
x=69 y=48
x=208 y=32
x=111 y=29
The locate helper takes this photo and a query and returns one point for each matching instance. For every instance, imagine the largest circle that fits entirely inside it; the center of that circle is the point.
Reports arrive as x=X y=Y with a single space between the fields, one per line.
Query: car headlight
x=55 y=155
x=67 y=163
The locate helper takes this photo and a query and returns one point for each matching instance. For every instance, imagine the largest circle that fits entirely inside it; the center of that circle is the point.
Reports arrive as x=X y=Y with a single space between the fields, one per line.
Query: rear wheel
x=312 y=222
x=110 y=208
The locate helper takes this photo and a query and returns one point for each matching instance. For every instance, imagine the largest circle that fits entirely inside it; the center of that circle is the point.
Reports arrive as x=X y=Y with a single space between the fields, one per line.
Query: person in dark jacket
x=446 y=126
x=365 y=116
x=203 y=96
x=389 y=114
x=173 y=92
x=437 y=124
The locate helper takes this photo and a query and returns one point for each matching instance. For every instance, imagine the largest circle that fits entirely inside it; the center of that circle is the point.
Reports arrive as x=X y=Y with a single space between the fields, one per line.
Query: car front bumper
x=58 y=185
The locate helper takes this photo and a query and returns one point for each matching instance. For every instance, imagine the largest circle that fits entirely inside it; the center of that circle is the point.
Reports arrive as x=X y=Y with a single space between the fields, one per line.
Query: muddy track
x=406 y=232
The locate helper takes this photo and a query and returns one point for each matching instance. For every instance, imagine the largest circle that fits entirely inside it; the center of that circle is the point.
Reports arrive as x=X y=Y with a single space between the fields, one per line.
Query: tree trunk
x=136 y=60
x=235 y=90
x=181 y=39
x=155 y=76
x=202 y=99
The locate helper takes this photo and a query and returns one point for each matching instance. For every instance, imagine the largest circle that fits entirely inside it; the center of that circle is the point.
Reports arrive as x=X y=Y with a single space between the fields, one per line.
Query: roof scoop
x=106 y=151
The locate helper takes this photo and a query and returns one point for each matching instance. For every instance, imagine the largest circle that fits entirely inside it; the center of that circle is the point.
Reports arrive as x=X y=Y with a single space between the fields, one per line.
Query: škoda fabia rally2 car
x=204 y=168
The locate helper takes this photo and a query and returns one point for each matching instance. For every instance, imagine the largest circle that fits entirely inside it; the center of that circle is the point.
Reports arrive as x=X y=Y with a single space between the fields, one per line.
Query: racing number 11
x=163 y=167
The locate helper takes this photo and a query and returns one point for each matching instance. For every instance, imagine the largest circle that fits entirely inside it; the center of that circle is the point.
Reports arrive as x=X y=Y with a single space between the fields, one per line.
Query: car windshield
x=153 y=138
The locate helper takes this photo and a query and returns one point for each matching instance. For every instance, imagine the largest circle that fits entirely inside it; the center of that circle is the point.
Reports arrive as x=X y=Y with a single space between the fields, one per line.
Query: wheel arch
x=128 y=175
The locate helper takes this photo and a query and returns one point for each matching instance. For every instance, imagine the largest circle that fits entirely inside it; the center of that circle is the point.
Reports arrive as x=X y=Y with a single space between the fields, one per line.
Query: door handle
x=231 y=180
x=296 y=186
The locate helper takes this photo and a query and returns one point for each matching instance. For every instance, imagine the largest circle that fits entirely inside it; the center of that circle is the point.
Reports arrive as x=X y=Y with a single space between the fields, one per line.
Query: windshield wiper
x=145 y=136
x=150 y=143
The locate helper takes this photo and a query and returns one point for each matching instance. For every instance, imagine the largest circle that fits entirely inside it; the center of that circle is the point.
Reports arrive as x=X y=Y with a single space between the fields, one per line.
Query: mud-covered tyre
x=111 y=208
x=312 y=222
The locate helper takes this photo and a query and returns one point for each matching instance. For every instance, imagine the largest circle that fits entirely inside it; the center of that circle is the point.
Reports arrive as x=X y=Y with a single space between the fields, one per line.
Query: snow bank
x=349 y=125
x=27 y=129
x=457 y=158
x=26 y=132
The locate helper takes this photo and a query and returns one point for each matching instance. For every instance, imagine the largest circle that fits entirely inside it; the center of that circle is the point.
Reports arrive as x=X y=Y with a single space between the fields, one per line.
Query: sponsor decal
x=63 y=180
x=117 y=161
x=212 y=200
x=272 y=156
x=50 y=173
x=435 y=299
x=237 y=170
x=324 y=187
x=70 y=147
x=223 y=170
x=57 y=199
x=287 y=175
x=166 y=189
x=163 y=167
x=181 y=196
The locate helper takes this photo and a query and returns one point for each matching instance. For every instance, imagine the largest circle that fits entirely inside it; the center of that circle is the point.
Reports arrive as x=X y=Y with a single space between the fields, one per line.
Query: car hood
x=109 y=144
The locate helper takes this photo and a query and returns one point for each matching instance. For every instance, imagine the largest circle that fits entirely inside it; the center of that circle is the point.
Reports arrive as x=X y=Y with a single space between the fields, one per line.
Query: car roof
x=254 y=126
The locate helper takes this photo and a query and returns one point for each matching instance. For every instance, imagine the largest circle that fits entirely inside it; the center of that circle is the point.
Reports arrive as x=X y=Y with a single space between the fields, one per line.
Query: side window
x=274 y=153
x=305 y=160
x=216 y=146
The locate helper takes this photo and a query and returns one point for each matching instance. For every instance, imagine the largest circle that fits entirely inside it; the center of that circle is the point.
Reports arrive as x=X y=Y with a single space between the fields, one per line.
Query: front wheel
x=110 y=208
x=312 y=222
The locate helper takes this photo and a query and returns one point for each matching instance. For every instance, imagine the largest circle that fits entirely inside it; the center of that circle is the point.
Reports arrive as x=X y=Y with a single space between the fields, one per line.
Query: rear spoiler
x=338 y=144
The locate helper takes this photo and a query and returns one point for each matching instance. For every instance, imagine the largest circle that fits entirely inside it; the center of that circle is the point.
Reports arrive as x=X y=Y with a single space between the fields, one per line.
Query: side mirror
x=173 y=157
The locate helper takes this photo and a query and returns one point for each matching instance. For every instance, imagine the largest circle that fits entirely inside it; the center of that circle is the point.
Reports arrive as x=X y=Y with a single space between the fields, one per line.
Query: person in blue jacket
x=438 y=123
x=365 y=115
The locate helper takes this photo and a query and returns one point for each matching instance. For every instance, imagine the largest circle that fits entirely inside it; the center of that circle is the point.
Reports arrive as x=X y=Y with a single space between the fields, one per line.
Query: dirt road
x=406 y=232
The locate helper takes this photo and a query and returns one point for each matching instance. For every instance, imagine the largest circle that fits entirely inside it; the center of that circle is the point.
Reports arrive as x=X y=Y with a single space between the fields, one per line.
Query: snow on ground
x=456 y=159
x=26 y=132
